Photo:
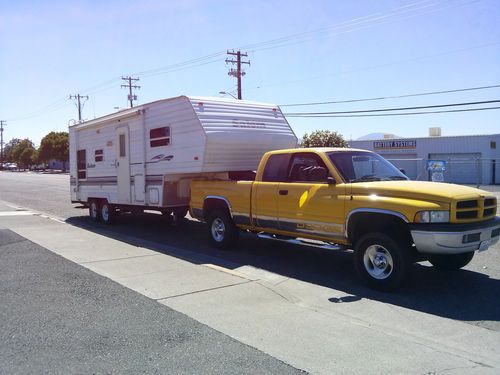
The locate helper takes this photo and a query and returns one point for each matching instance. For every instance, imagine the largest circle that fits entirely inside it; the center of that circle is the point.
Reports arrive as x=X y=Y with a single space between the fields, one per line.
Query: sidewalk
x=291 y=320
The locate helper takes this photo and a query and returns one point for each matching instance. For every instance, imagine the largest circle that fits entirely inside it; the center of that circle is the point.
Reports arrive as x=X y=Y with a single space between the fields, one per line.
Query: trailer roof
x=135 y=111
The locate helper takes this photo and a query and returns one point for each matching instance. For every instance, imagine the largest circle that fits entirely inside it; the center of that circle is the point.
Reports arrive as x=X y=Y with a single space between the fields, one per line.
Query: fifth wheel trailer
x=145 y=157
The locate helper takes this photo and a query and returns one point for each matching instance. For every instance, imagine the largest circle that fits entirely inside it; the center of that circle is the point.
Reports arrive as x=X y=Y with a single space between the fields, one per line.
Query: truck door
x=307 y=203
x=123 y=164
x=265 y=192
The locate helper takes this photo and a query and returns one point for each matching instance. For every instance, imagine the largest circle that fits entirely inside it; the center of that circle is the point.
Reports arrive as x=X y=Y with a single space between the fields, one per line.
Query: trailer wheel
x=222 y=232
x=108 y=213
x=451 y=262
x=382 y=262
x=94 y=210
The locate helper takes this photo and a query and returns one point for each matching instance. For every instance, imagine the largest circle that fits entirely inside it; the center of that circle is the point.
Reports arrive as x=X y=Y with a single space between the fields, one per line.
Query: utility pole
x=238 y=72
x=131 y=97
x=2 y=124
x=79 y=104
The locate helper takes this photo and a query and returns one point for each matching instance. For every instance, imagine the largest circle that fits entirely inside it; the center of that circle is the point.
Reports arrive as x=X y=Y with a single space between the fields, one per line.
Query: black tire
x=179 y=214
x=94 y=210
x=382 y=262
x=108 y=213
x=451 y=262
x=222 y=232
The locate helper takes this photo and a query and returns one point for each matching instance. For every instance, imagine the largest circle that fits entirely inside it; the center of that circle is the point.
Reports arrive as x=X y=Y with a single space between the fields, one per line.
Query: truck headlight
x=432 y=217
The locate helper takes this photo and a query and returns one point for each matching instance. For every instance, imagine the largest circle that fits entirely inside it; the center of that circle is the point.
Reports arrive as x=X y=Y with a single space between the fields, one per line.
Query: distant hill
x=373 y=136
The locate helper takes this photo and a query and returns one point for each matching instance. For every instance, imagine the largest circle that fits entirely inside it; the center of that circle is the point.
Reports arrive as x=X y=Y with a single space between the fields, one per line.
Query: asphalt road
x=469 y=295
x=60 y=318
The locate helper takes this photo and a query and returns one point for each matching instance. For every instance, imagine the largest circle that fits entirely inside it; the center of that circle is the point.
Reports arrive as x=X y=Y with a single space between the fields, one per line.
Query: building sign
x=407 y=144
x=436 y=168
x=436 y=165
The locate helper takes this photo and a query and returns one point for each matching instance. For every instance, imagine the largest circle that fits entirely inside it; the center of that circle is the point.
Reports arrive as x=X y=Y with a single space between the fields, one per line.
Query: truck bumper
x=455 y=238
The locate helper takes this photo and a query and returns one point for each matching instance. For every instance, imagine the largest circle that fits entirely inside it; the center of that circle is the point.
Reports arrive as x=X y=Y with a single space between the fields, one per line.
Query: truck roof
x=318 y=150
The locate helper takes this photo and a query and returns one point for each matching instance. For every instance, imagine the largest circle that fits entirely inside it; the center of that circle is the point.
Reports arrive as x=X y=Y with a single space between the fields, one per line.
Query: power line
x=402 y=114
x=391 y=97
x=297 y=114
x=131 y=97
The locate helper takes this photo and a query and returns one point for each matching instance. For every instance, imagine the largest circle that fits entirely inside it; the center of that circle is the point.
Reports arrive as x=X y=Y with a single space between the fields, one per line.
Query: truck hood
x=432 y=191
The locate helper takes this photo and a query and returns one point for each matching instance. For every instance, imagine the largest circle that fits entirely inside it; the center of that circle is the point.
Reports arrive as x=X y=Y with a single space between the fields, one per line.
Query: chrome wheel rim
x=378 y=262
x=105 y=212
x=218 y=230
x=93 y=210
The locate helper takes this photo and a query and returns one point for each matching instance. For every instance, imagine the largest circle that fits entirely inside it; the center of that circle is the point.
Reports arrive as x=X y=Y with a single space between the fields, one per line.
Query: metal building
x=471 y=159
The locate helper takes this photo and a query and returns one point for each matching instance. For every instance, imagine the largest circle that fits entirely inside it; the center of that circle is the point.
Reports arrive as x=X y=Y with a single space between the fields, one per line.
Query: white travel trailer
x=145 y=157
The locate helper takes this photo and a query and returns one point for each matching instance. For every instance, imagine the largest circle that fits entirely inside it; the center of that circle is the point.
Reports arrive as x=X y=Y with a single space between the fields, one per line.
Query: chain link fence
x=474 y=171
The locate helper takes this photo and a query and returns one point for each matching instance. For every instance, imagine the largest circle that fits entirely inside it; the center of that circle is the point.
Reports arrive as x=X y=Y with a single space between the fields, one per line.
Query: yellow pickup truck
x=351 y=199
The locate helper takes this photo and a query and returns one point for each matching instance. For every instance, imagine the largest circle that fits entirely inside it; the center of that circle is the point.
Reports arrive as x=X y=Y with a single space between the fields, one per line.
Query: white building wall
x=473 y=154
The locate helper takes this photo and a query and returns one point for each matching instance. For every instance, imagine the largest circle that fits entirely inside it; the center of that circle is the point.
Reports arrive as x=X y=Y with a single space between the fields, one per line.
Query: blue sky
x=335 y=50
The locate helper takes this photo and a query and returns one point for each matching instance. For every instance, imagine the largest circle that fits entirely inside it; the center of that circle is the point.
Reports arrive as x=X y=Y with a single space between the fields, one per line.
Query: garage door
x=460 y=168
x=408 y=162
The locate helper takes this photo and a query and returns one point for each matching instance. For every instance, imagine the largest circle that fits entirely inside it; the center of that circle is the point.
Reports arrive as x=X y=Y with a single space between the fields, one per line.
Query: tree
x=7 y=150
x=19 y=150
x=26 y=157
x=54 y=145
x=323 y=138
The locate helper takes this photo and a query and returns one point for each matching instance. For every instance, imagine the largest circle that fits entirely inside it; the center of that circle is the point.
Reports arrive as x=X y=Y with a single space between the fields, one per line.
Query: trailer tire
x=108 y=213
x=451 y=262
x=222 y=232
x=382 y=262
x=94 y=210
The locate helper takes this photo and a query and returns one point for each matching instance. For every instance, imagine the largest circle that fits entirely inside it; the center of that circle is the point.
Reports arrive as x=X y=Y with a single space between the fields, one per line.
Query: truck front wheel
x=381 y=261
x=222 y=232
x=451 y=262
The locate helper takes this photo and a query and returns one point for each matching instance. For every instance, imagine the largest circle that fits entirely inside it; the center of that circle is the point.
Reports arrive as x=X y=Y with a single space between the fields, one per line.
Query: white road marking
x=16 y=213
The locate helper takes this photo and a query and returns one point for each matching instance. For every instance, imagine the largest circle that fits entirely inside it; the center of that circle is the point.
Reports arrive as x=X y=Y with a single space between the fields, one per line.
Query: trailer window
x=99 y=155
x=81 y=162
x=159 y=136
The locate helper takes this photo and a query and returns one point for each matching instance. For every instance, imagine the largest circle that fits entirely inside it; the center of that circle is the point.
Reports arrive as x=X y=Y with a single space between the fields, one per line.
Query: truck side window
x=276 y=167
x=307 y=167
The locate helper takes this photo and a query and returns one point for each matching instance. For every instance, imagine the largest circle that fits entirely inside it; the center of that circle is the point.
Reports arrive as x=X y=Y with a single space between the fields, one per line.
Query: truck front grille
x=473 y=209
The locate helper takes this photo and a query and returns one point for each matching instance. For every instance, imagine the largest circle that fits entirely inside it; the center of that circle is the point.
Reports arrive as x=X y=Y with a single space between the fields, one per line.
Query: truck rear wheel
x=94 y=210
x=222 y=232
x=381 y=261
x=451 y=262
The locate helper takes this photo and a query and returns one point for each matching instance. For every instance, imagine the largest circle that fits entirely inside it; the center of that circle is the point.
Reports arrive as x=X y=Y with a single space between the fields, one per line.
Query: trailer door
x=123 y=164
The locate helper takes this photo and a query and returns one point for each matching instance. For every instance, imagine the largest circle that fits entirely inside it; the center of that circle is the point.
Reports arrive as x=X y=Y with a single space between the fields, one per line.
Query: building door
x=123 y=164
x=407 y=162
x=461 y=168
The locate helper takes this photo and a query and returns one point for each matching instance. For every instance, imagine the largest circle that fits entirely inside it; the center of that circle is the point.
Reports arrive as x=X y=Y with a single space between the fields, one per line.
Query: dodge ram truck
x=351 y=199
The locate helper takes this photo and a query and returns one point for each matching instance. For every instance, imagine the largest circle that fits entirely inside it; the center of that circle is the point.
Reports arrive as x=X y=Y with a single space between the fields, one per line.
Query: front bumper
x=455 y=238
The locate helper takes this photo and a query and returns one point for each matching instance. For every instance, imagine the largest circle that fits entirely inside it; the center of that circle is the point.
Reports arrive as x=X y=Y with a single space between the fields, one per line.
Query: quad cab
x=351 y=199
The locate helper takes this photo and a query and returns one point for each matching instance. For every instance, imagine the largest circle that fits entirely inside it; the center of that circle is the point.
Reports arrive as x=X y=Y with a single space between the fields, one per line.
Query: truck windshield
x=359 y=166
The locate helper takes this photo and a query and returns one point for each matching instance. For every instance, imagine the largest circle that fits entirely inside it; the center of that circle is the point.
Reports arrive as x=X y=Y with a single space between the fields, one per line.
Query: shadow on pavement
x=463 y=295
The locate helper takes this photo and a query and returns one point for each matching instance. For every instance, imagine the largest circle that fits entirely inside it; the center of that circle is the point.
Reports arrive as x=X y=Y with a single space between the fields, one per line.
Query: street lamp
x=227 y=93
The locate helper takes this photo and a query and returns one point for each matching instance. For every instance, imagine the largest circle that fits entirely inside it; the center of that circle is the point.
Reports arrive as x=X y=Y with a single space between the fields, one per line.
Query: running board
x=318 y=244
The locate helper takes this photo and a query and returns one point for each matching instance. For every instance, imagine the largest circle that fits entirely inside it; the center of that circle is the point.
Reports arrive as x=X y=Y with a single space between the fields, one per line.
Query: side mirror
x=331 y=180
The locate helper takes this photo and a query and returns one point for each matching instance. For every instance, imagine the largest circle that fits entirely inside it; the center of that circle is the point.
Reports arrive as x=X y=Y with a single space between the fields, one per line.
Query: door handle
x=283 y=192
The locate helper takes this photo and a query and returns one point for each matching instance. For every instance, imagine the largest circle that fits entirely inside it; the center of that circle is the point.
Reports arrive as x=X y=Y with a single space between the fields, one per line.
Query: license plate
x=484 y=245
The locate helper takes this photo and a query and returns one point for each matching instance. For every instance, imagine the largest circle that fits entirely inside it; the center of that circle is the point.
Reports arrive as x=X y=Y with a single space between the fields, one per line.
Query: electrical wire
x=392 y=97
x=401 y=114
x=392 y=109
